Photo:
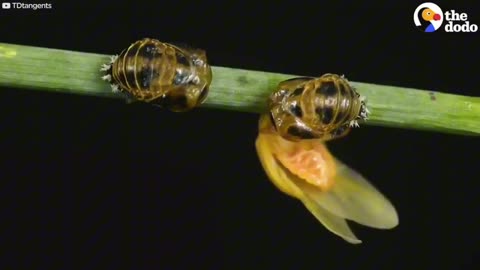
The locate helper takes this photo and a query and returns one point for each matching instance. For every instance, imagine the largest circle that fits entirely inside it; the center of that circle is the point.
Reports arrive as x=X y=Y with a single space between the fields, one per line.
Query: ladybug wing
x=353 y=197
x=333 y=223
x=291 y=185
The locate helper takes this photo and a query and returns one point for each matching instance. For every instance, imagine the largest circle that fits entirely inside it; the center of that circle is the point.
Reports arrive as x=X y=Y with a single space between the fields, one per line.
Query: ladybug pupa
x=324 y=108
x=163 y=74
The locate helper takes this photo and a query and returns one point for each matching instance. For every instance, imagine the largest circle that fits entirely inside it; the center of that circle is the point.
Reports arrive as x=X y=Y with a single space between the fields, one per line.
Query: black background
x=94 y=183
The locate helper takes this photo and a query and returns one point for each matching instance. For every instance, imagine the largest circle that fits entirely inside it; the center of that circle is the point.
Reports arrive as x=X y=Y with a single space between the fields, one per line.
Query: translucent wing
x=349 y=197
x=353 y=197
x=335 y=224
x=289 y=183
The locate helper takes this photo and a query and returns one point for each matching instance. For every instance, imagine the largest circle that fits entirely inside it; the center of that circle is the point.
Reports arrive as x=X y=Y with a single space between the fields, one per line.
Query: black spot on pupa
x=326 y=114
x=327 y=89
x=182 y=59
x=146 y=77
x=300 y=132
x=298 y=91
x=296 y=110
x=432 y=96
x=149 y=52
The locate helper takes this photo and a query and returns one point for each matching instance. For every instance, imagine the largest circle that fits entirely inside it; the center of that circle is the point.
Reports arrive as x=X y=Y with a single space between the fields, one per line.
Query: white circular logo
x=428 y=17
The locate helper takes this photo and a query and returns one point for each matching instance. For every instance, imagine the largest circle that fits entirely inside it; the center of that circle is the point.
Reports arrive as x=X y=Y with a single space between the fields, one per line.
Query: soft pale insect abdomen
x=316 y=108
x=164 y=74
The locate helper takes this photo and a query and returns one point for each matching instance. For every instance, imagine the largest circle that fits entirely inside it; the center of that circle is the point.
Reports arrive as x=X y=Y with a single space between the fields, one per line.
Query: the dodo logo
x=428 y=17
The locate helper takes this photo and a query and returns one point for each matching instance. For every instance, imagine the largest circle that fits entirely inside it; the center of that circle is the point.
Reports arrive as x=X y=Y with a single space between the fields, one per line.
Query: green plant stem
x=239 y=90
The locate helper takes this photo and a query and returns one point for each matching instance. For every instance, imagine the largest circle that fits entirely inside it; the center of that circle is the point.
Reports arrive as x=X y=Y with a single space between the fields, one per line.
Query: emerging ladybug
x=160 y=73
x=331 y=191
x=316 y=108
x=304 y=114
